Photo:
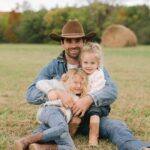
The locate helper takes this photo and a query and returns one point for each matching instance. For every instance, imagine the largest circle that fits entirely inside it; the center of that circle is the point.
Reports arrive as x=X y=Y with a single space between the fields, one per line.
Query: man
x=72 y=40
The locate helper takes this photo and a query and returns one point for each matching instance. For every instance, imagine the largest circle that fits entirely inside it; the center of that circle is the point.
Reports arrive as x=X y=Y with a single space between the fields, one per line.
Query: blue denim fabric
x=118 y=133
x=99 y=111
x=54 y=69
x=56 y=128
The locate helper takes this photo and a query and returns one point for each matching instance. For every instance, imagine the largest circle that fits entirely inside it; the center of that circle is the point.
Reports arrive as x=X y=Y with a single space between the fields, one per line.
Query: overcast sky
x=8 y=5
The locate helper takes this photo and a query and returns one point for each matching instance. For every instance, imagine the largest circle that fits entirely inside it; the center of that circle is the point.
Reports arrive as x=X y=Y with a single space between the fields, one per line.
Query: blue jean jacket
x=58 y=66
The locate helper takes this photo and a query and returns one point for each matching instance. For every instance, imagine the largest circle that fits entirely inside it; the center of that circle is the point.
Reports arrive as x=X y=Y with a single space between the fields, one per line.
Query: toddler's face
x=76 y=84
x=89 y=63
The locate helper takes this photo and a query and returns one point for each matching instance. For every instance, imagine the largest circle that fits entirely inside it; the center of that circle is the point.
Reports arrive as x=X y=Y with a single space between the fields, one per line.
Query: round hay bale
x=118 y=36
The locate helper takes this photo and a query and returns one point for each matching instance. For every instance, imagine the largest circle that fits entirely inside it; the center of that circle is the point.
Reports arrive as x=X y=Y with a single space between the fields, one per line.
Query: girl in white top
x=91 y=62
x=69 y=83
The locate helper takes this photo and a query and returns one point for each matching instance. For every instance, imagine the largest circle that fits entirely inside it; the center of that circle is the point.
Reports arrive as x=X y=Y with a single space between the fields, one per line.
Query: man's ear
x=84 y=40
x=62 y=43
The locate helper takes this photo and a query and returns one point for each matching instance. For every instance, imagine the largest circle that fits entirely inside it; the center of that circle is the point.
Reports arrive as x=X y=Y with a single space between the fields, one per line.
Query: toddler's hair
x=93 y=48
x=70 y=75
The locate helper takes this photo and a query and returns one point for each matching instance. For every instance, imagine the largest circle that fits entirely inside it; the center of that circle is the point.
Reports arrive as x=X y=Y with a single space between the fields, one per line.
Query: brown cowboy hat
x=73 y=29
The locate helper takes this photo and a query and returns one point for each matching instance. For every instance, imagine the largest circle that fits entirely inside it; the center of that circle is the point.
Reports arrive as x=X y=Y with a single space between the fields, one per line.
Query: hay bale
x=118 y=36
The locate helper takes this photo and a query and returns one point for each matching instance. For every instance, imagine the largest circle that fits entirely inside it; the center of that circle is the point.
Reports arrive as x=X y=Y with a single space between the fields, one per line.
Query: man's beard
x=68 y=52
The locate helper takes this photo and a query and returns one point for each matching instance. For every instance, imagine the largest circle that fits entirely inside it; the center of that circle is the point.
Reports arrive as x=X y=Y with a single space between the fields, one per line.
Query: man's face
x=72 y=47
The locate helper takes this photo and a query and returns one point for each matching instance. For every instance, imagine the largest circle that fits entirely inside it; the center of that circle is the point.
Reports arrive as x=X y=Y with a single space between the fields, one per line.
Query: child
x=52 y=113
x=91 y=64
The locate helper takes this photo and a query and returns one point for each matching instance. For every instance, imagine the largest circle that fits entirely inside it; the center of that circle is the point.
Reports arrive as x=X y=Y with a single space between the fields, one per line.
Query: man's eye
x=68 y=40
x=78 y=40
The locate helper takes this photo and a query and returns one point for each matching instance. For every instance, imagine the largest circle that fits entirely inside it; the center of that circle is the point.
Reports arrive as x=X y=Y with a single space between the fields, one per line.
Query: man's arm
x=106 y=95
x=50 y=71
x=34 y=95
x=103 y=97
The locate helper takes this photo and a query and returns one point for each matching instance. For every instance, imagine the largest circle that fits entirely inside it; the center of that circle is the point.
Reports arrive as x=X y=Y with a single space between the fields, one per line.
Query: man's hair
x=93 y=48
x=70 y=76
x=62 y=39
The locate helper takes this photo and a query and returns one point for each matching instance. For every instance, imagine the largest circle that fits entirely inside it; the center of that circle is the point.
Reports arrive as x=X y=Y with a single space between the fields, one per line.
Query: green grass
x=19 y=64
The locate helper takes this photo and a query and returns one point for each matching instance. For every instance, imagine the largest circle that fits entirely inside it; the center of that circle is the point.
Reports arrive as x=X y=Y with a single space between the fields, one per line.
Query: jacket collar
x=62 y=57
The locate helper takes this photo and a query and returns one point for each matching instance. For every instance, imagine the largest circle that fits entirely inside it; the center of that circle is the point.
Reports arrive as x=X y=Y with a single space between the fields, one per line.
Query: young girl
x=52 y=113
x=91 y=62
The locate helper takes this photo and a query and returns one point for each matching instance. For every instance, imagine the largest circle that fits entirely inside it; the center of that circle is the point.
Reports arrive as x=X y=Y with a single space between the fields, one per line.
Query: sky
x=8 y=5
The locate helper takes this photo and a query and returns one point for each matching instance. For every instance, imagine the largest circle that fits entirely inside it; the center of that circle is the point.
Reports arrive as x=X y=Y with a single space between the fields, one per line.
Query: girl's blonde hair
x=70 y=75
x=93 y=48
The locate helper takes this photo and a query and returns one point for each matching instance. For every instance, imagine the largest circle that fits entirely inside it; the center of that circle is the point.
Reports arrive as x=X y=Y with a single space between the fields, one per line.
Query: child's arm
x=54 y=89
x=47 y=86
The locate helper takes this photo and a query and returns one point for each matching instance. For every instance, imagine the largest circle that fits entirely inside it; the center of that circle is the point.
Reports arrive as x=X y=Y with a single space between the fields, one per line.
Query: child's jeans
x=56 y=127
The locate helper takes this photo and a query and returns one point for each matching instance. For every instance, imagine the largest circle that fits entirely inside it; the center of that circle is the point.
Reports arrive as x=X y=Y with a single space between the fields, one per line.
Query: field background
x=19 y=64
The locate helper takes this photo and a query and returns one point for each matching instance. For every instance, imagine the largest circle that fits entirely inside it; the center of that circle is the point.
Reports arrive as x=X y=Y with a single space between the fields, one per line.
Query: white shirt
x=70 y=66
x=96 y=81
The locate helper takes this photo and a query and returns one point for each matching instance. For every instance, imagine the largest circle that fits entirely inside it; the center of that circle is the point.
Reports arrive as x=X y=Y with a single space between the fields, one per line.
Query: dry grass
x=19 y=64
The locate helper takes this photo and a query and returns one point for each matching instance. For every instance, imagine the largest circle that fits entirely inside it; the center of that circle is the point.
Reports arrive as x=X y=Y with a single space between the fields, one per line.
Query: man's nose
x=73 y=44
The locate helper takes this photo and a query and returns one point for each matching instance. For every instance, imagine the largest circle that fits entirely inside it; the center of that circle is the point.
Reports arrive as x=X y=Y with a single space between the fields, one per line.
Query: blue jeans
x=117 y=132
x=55 y=128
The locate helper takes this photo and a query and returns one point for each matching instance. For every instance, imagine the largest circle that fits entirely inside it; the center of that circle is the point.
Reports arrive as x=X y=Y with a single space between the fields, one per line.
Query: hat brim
x=87 y=37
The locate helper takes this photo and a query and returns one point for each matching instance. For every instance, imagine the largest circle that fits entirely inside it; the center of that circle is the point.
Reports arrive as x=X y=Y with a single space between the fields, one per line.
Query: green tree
x=13 y=22
x=3 y=25
x=139 y=21
x=32 y=28
x=55 y=19
x=118 y=15
x=97 y=14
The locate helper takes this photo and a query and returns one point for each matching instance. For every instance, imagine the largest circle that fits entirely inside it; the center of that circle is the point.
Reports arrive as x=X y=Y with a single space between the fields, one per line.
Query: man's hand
x=81 y=106
x=65 y=97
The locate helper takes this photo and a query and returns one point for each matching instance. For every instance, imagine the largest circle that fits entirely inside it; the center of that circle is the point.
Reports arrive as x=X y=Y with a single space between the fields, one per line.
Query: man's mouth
x=74 y=51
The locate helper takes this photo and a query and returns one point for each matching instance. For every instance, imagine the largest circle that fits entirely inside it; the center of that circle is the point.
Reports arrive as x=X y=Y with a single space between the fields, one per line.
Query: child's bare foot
x=93 y=141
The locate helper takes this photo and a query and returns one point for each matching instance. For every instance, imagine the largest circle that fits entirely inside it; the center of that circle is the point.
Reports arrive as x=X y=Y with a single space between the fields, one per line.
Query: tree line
x=34 y=27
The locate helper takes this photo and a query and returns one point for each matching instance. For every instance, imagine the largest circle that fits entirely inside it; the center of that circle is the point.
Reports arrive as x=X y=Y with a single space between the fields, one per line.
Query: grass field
x=19 y=64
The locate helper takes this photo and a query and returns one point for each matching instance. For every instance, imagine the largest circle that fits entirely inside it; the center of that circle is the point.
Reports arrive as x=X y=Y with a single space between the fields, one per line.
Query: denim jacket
x=58 y=66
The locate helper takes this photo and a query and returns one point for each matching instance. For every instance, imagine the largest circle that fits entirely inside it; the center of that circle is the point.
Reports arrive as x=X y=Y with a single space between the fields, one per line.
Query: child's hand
x=52 y=95
x=66 y=99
